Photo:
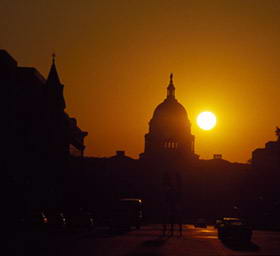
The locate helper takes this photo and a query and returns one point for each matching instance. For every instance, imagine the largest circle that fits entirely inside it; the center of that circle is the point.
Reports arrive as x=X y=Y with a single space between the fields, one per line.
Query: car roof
x=229 y=218
x=131 y=199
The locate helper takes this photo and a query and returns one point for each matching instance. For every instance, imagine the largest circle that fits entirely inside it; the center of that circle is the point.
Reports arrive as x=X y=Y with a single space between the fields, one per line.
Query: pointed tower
x=169 y=130
x=55 y=98
x=56 y=118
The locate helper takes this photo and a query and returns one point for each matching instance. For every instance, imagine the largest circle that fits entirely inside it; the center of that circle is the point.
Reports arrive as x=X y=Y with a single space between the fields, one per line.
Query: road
x=150 y=242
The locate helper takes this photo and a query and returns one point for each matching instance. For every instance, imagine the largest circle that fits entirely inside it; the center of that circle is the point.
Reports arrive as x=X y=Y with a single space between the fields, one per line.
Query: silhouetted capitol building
x=48 y=170
x=169 y=130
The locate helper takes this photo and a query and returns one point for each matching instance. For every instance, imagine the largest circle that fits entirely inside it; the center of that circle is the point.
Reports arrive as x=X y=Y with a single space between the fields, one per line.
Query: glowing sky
x=115 y=57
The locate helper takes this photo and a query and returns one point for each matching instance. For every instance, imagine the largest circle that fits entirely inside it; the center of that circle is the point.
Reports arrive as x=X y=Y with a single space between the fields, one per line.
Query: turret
x=55 y=98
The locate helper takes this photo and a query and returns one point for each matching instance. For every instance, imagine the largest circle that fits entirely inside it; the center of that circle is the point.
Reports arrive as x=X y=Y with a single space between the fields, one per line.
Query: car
x=35 y=219
x=127 y=213
x=56 y=219
x=200 y=223
x=79 y=218
x=234 y=229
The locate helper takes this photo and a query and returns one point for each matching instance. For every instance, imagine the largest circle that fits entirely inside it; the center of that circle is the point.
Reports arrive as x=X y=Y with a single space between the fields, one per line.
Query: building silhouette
x=265 y=176
x=42 y=171
x=40 y=135
x=41 y=125
x=268 y=157
x=169 y=133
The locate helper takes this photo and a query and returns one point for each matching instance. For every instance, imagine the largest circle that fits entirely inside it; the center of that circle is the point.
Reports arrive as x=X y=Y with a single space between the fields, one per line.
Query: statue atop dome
x=171 y=88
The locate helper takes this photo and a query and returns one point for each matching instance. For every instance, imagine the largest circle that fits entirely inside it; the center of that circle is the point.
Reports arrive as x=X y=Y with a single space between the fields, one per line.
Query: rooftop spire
x=171 y=88
x=53 y=77
x=53 y=58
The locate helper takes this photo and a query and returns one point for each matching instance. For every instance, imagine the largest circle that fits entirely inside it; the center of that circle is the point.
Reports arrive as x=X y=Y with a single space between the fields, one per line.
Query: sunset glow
x=206 y=120
x=114 y=59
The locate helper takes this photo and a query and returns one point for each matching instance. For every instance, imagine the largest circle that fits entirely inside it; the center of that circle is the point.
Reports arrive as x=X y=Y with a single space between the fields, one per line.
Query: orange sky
x=114 y=58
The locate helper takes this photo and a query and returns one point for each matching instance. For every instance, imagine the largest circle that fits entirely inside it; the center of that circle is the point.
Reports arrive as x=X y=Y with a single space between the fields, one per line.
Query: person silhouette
x=172 y=213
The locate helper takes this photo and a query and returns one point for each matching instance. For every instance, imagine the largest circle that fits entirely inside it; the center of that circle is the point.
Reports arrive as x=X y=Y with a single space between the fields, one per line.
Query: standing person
x=175 y=217
x=172 y=214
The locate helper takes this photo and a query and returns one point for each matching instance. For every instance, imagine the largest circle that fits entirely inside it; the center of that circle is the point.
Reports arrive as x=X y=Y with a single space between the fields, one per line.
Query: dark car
x=80 y=218
x=234 y=229
x=35 y=219
x=56 y=219
x=200 y=223
x=127 y=213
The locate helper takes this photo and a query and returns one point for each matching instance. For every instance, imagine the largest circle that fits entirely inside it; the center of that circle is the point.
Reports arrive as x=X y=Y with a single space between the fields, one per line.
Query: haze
x=115 y=57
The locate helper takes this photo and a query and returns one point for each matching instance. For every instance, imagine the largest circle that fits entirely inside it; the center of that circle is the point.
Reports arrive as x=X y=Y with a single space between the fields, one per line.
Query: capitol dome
x=169 y=107
x=169 y=129
x=170 y=117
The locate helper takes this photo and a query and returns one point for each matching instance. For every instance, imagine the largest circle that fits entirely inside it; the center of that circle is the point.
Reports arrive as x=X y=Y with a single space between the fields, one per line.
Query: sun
x=206 y=120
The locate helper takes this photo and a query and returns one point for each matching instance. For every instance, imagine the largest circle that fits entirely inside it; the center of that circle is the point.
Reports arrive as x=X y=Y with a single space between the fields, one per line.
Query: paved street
x=148 y=241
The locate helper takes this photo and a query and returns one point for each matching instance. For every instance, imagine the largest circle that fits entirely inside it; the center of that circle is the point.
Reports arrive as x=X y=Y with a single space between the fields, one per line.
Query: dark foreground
x=147 y=241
